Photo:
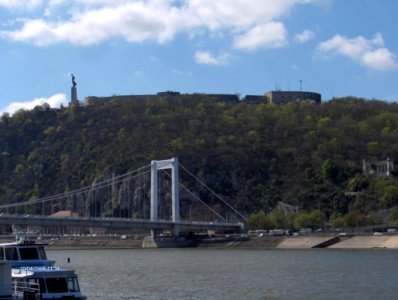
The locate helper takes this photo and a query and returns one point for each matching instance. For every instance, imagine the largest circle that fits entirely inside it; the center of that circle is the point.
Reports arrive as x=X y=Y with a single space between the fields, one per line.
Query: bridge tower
x=157 y=165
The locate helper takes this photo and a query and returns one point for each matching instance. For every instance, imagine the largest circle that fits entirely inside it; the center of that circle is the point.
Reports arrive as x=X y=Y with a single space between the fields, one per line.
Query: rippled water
x=233 y=274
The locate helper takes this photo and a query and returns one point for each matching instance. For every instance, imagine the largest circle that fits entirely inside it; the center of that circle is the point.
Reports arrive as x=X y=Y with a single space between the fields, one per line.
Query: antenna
x=301 y=85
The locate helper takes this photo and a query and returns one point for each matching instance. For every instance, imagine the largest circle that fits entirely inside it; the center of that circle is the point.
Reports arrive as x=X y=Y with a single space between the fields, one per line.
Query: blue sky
x=336 y=47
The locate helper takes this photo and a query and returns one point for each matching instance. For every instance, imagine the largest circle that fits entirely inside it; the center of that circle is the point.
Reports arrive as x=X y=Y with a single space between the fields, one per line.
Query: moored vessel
x=26 y=274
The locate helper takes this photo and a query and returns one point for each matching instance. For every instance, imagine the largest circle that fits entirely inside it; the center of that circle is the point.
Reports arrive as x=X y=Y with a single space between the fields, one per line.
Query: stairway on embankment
x=306 y=242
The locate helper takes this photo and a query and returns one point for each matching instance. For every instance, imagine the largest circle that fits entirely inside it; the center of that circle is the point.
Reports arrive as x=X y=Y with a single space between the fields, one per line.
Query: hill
x=255 y=156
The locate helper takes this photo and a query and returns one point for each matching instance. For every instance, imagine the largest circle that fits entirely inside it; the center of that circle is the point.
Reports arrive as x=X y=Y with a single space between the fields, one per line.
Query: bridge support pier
x=167 y=242
x=157 y=165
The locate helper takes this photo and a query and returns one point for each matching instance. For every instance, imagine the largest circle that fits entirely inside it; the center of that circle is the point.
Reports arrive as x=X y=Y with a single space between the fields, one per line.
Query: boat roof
x=23 y=243
x=41 y=272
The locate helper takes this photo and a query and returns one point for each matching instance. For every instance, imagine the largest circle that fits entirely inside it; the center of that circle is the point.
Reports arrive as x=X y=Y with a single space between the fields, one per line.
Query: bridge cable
x=200 y=200
x=214 y=193
x=97 y=186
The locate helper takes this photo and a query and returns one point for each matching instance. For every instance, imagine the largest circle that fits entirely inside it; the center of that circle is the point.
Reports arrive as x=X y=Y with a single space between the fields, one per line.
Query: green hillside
x=254 y=156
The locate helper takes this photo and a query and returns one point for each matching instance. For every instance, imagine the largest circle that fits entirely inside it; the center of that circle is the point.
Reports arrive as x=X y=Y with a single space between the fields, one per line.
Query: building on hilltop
x=94 y=100
x=219 y=97
x=283 y=97
x=227 y=98
x=254 y=99
x=168 y=93
x=276 y=97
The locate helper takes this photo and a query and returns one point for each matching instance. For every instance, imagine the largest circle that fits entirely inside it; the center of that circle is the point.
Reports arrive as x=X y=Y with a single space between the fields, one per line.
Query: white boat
x=45 y=283
x=33 y=276
x=25 y=253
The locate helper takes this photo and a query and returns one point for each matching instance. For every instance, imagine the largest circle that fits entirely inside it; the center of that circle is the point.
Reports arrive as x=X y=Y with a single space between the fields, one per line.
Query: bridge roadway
x=116 y=223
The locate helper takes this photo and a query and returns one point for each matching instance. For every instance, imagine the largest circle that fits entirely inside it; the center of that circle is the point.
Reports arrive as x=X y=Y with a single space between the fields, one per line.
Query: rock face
x=116 y=196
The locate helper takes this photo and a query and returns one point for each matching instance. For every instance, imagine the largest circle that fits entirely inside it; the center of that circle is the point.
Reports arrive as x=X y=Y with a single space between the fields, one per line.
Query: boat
x=25 y=253
x=33 y=276
x=45 y=283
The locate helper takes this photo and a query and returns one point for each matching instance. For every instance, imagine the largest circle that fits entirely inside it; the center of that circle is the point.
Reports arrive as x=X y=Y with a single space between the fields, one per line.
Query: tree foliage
x=252 y=155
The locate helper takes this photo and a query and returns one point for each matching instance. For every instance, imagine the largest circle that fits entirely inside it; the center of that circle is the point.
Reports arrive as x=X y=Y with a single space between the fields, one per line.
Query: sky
x=248 y=47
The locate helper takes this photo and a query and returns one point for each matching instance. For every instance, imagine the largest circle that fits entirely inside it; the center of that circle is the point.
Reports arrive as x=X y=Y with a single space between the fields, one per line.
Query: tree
x=314 y=220
x=390 y=196
x=393 y=217
x=337 y=220
x=279 y=219
x=330 y=171
x=259 y=220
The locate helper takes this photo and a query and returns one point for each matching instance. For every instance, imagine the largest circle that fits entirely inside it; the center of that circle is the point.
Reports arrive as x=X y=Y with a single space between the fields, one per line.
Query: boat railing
x=22 y=288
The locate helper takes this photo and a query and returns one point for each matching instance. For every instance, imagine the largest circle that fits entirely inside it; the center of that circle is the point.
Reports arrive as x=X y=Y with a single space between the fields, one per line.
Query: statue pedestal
x=74 y=100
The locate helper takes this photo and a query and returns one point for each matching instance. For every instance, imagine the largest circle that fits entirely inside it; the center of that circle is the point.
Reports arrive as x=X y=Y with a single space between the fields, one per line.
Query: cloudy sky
x=336 y=47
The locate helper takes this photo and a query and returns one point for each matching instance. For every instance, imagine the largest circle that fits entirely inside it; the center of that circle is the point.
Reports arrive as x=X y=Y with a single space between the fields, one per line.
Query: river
x=233 y=273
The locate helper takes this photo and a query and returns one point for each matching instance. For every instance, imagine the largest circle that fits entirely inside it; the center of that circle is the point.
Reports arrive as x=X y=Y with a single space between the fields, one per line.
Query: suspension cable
x=89 y=188
x=197 y=198
x=214 y=193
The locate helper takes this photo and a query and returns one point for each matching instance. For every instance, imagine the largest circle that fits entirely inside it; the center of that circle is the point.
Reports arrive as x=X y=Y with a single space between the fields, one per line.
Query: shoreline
x=267 y=242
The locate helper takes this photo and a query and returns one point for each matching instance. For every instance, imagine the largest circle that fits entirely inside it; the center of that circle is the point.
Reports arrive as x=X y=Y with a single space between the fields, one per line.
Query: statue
x=74 y=100
x=73 y=80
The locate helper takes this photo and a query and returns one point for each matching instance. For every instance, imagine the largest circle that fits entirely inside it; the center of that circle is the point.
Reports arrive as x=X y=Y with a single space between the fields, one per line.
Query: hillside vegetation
x=254 y=156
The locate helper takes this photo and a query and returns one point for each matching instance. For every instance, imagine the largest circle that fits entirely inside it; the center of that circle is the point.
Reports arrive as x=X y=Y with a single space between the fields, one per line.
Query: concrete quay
x=266 y=242
x=368 y=242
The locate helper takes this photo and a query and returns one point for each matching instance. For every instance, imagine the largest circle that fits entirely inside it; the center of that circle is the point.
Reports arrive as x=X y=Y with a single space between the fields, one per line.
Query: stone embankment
x=266 y=242
x=367 y=242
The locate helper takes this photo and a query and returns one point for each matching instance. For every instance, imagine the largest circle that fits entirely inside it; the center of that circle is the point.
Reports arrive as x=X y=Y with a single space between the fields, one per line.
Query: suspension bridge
x=133 y=201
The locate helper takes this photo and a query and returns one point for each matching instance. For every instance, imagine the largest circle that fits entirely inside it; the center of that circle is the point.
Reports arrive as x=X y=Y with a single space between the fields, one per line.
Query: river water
x=233 y=273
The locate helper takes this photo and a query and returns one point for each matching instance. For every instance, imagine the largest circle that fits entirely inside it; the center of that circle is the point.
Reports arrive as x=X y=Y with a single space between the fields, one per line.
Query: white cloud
x=304 y=36
x=87 y=22
x=369 y=53
x=206 y=58
x=54 y=101
x=380 y=59
x=135 y=22
x=18 y=4
x=270 y=35
x=238 y=14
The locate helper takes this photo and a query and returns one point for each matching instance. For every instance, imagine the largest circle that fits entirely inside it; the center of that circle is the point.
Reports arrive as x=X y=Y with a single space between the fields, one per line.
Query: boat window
x=28 y=253
x=11 y=253
x=1 y=253
x=56 y=285
x=73 y=285
x=42 y=253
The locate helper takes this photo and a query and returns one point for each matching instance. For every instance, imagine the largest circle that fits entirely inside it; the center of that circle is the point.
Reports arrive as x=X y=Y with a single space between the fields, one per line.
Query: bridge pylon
x=157 y=165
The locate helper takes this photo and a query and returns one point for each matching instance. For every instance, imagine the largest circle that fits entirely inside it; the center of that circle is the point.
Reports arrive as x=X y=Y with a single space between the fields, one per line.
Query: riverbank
x=266 y=242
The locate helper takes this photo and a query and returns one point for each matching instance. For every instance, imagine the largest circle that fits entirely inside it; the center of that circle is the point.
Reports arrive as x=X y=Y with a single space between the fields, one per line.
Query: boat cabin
x=46 y=283
x=24 y=253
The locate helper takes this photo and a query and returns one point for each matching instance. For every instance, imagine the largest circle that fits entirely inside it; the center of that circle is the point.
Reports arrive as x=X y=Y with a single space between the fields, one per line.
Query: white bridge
x=88 y=218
